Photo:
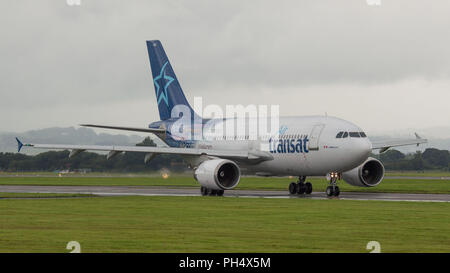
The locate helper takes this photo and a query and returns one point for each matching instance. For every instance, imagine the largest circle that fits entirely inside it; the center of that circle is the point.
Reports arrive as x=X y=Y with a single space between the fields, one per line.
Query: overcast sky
x=382 y=67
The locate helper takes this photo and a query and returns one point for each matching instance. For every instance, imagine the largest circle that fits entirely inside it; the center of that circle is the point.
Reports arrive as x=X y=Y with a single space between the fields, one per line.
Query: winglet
x=418 y=137
x=19 y=145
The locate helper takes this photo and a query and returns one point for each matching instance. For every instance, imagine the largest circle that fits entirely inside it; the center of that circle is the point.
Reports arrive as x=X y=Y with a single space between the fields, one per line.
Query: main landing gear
x=205 y=191
x=333 y=189
x=300 y=187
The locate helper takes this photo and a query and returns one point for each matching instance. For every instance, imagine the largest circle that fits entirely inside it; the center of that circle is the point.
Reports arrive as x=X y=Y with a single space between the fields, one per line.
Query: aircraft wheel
x=204 y=191
x=301 y=188
x=213 y=193
x=308 y=186
x=220 y=192
x=329 y=191
x=293 y=188
x=337 y=191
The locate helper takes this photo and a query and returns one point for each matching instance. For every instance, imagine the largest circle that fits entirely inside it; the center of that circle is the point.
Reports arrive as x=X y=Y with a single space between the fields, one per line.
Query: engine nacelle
x=368 y=174
x=218 y=174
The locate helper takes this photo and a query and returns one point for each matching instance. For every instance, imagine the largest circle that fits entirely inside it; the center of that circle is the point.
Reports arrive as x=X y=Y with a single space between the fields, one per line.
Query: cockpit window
x=354 y=134
x=339 y=135
x=362 y=134
x=345 y=135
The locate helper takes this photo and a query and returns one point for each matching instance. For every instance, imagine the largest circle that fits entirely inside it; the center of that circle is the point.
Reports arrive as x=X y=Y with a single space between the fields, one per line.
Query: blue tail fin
x=167 y=88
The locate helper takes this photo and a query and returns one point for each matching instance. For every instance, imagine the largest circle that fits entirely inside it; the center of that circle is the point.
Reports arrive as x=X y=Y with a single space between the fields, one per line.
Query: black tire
x=301 y=188
x=204 y=191
x=293 y=188
x=213 y=193
x=220 y=193
x=308 y=186
x=337 y=191
x=329 y=191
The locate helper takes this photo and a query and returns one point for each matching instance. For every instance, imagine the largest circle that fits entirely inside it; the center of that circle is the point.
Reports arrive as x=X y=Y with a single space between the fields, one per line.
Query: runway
x=180 y=191
x=143 y=175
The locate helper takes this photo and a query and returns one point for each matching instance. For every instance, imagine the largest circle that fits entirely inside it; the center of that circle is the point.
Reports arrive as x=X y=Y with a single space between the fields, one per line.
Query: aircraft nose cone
x=364 y=147
x=369 y=146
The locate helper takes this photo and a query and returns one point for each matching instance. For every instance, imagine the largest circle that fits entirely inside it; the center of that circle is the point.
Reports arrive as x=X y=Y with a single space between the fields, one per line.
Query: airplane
x=304 y=146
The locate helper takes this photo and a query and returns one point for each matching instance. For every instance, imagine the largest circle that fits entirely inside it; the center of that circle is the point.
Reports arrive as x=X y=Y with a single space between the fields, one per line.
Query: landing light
x=333 y=175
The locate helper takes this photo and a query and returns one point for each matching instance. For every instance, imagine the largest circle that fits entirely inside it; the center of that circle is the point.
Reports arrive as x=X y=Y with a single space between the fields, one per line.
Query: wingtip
x=19 y=144
x=423 y=140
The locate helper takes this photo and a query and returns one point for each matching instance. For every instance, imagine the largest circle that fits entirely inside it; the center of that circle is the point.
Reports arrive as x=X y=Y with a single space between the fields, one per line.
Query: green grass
x=254 y=183
x=420 y=173
x=89 y=174
x=212 y=224
x=100 y=181
x=41 y=195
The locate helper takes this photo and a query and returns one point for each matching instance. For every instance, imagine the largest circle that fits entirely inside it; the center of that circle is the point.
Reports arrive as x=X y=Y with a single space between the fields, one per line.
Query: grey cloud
x=94 y=54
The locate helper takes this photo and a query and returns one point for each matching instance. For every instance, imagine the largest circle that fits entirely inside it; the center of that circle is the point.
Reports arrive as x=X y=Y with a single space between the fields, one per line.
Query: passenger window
x=345 y=135
x=339 y=135
x=354 y=134
x=363 y=134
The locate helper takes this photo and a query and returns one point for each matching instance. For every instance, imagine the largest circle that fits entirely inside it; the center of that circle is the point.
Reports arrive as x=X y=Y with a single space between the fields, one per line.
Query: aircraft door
x=316 y=131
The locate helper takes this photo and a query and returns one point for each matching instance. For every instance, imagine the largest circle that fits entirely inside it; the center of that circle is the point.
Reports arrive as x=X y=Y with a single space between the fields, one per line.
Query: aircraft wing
x=114 y=150
x=385 y=145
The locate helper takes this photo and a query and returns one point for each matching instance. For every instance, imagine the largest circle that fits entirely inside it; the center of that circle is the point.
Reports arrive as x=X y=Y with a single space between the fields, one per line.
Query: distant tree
x=435 y=157
x=391 y=156
x=417 y=162
x=134 y=162
x=147 y=142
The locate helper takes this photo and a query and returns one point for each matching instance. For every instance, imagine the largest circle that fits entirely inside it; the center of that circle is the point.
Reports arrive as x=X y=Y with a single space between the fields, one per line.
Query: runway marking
x=343 y=198
x=396 y=200
x=235 y=194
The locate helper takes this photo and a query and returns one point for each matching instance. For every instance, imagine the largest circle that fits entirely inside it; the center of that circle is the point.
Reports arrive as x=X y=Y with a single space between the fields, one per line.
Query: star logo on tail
x=162 y=81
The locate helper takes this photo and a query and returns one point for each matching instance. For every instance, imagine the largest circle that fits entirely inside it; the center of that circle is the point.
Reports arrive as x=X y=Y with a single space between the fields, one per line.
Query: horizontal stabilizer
x=135 y=129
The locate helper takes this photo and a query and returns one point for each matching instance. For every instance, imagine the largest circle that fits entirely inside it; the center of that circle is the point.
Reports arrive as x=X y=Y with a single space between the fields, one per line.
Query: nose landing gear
x=333 y=189
x=300 y=187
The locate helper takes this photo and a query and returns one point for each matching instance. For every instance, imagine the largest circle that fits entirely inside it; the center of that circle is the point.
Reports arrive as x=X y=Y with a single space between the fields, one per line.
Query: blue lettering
x=298 y=147
x=280 y=147
x=283 y=146
x=305 y=140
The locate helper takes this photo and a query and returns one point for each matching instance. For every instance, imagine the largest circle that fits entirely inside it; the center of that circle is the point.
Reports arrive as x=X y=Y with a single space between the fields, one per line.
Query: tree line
x=59 y=160
x=430 y=159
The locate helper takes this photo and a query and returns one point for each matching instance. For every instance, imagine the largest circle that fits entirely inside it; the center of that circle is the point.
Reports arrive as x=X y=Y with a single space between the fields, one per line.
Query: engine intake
x=368 y=174
x=218 y=174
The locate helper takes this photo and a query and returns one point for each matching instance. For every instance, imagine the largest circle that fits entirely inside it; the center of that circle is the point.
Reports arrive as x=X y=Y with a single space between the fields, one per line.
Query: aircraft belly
x=294 y=164
x=325 y=161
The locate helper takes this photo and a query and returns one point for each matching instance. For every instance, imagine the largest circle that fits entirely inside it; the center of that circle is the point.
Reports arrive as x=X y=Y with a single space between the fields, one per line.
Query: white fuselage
x=304 y=146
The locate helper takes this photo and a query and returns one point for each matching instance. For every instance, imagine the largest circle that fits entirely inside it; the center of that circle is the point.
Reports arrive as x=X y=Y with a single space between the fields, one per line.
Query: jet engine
x=368 y=174
x=218 y=174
